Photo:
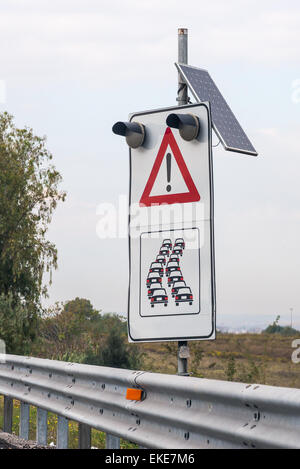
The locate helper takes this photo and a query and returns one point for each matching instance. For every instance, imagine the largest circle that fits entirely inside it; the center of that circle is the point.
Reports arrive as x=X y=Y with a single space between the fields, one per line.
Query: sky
x=71 y=68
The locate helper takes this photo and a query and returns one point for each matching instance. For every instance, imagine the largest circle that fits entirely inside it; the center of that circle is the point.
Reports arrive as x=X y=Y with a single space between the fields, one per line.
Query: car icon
x=184 y=295
x=152 y=288
x=159 y=296
x=156 y=267
x=161 y=259
x=174 y=258
x=177 y=285
x=179 y=242
x=172 y=267
x=153 y=277
x=167 y=243
x=164 y=251
x=174 y=277
x=177 y=250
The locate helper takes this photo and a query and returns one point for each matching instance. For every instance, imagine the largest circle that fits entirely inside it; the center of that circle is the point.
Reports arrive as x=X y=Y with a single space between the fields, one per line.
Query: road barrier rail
x=173 y=411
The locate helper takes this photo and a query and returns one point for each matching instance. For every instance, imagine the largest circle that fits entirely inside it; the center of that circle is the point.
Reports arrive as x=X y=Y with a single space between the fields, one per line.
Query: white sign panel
x=172 y=286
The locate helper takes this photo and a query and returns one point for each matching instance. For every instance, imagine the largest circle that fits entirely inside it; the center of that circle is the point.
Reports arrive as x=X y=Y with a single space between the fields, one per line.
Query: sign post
x=183 y=352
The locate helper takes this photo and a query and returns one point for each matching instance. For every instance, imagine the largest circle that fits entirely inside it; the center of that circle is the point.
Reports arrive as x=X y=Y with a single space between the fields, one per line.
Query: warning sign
x=170 y=181
x=171 y=242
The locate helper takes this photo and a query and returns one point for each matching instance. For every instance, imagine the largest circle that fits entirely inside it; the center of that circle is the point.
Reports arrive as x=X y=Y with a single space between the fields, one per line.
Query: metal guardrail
x=175 y=412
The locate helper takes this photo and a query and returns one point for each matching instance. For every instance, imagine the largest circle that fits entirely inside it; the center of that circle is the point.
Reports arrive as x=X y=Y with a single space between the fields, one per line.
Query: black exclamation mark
x=168 y=157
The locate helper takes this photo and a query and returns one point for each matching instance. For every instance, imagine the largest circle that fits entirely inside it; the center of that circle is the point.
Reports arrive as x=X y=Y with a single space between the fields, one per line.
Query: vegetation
x=28 y=196
x=18 y=324
x=248 y=358
x=75 y=331
x=283 y=330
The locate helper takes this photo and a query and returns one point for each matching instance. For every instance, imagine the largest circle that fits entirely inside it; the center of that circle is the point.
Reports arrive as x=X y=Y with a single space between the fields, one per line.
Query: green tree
x=64 y=326
x=17 y=325
x=28 y=196
x=82 y=308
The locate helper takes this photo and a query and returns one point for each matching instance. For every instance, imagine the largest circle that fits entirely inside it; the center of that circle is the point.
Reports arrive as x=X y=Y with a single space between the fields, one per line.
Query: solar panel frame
x=228 y=130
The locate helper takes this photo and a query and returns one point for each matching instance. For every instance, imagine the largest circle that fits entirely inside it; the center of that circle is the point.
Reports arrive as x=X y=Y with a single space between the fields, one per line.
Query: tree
x=28 y=196
x=17 y=325
x=76 y=331
x=81 y=307
x=64 y=325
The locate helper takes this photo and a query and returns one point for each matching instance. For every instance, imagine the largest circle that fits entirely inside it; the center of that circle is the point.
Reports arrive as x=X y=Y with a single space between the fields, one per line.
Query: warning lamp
x=134 y=132
x=187 y=124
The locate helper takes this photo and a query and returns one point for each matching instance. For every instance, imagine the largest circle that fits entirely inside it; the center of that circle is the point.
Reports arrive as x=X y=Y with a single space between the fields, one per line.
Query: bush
x=282 y=330
x=116 y=353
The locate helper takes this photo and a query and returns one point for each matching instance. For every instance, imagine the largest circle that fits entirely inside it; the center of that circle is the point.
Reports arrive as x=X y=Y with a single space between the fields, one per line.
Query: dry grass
x=261 y=358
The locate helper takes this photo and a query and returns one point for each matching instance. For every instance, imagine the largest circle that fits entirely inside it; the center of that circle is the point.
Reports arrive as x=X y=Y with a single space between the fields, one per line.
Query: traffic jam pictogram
x=172 y=274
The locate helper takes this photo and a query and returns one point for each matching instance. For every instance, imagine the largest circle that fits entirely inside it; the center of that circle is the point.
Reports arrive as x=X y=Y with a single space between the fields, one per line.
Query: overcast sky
x=71 y=68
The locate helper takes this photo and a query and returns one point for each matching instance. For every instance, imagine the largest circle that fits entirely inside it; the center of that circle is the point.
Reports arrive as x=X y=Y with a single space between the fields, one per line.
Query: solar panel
x=225 y=123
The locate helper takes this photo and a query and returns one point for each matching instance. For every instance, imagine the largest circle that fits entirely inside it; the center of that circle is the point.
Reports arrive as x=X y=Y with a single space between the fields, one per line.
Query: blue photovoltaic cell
x=224 y=121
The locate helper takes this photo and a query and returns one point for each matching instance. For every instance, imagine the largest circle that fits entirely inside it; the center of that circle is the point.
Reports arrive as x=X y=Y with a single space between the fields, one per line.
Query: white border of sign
x=212 y=251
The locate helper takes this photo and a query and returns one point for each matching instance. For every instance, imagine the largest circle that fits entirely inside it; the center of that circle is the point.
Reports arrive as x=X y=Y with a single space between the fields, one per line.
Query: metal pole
x=24 y=420
x=8 y=414
x=62 y=438
x=112 y=442
x=85 y=436
x=41 y=426
x=182 y=99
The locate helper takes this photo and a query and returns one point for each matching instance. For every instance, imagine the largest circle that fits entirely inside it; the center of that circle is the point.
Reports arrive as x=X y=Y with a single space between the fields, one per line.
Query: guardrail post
x=84 y=436
x=112 y=442
x=62 y=440
x=24 y=420
x=41 y=426
x=8 y=414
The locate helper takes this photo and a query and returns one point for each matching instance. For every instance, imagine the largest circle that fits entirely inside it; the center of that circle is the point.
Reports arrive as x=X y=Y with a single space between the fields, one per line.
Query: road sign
x=171 y=243
x=224 y=122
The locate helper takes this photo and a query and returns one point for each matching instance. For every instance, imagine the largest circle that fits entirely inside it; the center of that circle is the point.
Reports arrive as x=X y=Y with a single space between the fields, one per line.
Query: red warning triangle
x=191 y=196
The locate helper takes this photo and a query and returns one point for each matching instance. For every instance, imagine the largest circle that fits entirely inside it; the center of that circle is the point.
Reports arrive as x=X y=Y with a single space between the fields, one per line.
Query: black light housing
x=187 y=124
x=134 y=132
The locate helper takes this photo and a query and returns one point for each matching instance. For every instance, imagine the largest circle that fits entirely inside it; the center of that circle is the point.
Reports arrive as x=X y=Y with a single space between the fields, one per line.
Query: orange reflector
x=134 y=394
